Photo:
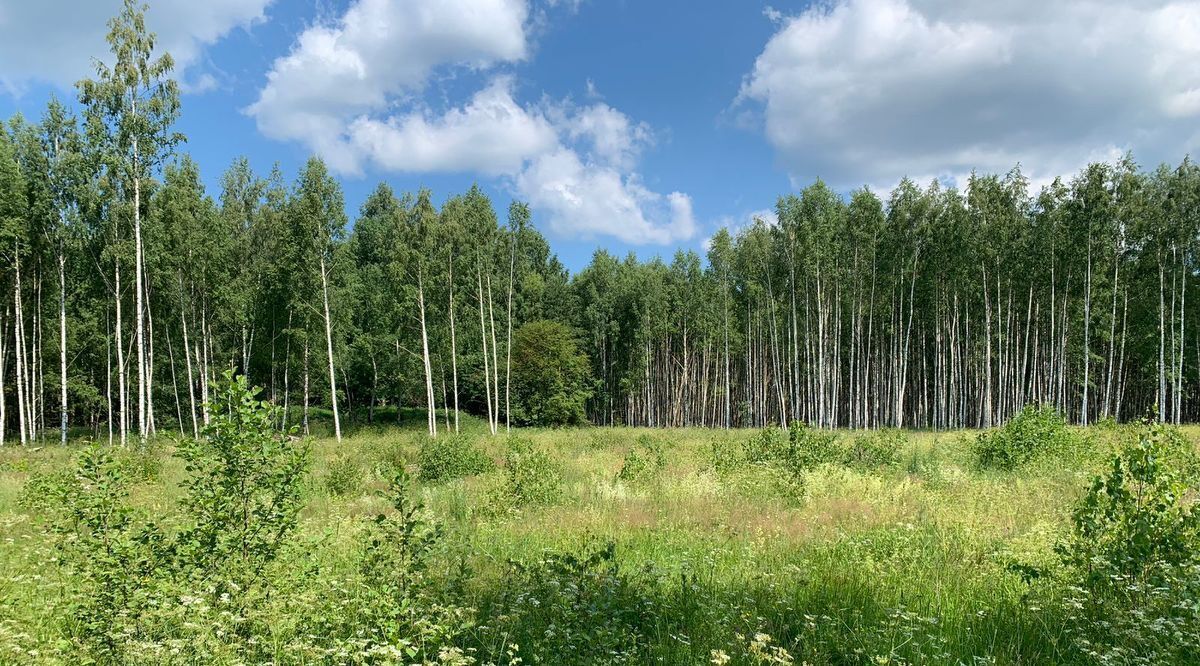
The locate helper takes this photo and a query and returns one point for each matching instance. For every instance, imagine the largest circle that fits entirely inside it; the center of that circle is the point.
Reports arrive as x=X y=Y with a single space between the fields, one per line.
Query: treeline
x=937 y=308
x=128 y=289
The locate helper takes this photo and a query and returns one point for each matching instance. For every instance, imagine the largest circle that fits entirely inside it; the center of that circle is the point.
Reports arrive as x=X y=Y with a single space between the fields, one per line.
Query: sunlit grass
x=827 y=564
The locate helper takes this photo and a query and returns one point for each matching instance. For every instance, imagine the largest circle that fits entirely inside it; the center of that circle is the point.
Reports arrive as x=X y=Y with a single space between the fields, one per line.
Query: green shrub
x=243 y=488
x=451 y=457
x=1134 y=552
x=726 y=454
x=551 y=377
x=1036 y=431
x=45 y=488
x=343 y=476
x=876 y=449
x=390 y=457
x=568 y=608
x=768 y=445
x=203 y=594
x=142 y=462
x=388 y=610
x=111 y=555
x=600 y=439
x=810 y=447
x=531 y=475
x=644 y=461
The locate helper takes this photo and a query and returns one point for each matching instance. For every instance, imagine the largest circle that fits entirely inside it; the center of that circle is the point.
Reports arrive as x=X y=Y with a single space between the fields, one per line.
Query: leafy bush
x=644 y=461
x=768 y=445
x=389 y=611
x=344 y=476
x=800 y=448
x=142 y=462
x=568 y=608
x=810 y=447
x=451 y=457
x=200 y=595
x=551 y=376
x=531 y=475
x=877 y=449
x=390 y=457
x=111 y=555
x=726 y=454
x=1135 y=554
x=1036 y=431
x=243 y=490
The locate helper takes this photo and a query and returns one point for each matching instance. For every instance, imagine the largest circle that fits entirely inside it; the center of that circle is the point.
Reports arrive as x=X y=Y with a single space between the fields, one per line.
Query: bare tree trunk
x=453 y=344
x=151 y=424
x=337 y=424
x=512 y=266
x=191 y=380
x=431 y=415
x=121 y=381
x=203 y=363
x=62 y=344
x=1087 y=330
x=19 y=348
x=487 y=385
x=1162 y=366
x=495 y=357
x=287 y=366
x=175 y=387
x=305 y=417
x=3 y=358
x=139 y=303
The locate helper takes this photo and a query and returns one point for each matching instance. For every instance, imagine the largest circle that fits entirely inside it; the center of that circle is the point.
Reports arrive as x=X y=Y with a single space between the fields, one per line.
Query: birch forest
x=128 y=288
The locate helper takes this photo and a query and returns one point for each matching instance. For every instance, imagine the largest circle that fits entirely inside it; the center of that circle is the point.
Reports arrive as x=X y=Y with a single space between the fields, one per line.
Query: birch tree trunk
x=62 y=344
x=453 y=344
x=487 y=386
x=431 y=412
x=337 y=424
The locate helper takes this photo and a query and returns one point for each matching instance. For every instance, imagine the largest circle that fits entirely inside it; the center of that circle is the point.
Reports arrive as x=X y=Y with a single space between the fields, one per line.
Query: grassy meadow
x=603 y=546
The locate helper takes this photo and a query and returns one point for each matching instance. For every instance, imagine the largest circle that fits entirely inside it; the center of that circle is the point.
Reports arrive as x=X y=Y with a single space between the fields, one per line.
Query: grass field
x=618 y=546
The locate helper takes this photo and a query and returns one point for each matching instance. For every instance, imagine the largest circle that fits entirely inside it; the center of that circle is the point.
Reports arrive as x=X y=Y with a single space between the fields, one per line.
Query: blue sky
x=647 y=125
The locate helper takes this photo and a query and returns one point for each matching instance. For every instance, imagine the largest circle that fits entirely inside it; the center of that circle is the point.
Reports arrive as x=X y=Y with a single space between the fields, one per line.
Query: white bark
x=337 y=424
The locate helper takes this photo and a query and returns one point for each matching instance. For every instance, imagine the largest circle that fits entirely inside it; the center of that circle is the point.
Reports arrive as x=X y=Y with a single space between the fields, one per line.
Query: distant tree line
x=937 y=308
x=127 y=289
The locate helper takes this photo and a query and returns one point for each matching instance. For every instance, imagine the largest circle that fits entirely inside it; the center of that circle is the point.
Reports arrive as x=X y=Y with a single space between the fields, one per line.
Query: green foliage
x=574 y=608
x=876 y=449
x=388 y=610
x=726 y=454
x=244 y=488
x=768 y=445
x=142 y=462
x=200 y=593
x=343 y=476
x=451 y=457
x=644 y=461
x=550 y=376
x=810 y=447
x=111 y=555
x=1036 y=431
x=531 y=476
x=1134 y=552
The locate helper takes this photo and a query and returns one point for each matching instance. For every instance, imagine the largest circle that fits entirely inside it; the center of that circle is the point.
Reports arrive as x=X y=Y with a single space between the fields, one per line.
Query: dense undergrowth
x=1031 y=543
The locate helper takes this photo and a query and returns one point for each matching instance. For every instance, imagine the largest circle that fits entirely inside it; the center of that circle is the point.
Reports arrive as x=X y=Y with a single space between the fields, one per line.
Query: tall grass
x=627 y=546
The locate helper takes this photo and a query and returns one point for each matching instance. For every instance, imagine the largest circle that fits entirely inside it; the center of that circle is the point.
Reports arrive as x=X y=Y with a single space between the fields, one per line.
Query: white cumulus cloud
x=354 y=92
x=376 y=51
x=54 y=41
x=491 y=134
x=867 y=91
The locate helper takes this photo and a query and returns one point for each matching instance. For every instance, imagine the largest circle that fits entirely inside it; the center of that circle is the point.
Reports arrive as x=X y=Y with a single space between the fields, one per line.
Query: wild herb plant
x=1134 y=555
x=451 y=457
x=1036 y=431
